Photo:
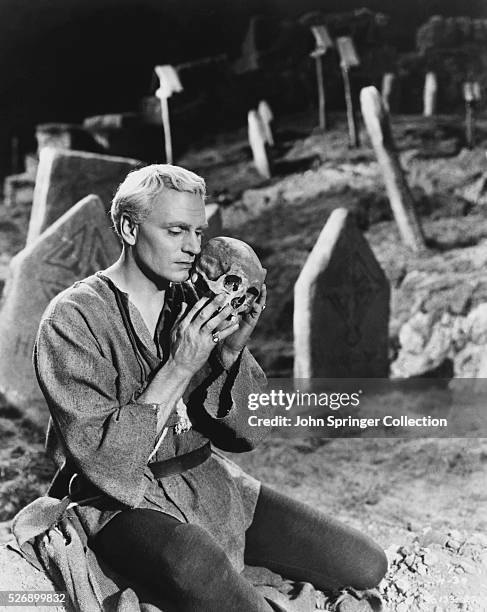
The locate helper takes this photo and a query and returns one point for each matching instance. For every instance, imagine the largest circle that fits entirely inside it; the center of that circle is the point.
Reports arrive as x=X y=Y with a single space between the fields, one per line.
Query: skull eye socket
x=232 y=282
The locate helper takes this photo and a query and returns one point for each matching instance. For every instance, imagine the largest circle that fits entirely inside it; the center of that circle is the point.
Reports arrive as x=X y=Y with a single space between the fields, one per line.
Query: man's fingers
x=216 y=321
x=196 y=308
x=220 y=322
x=209 y=310
x=228 y=331
x=263 y=296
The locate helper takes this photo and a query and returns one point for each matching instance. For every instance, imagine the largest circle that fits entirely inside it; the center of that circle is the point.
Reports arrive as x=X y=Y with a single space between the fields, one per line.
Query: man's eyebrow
x=184 y=225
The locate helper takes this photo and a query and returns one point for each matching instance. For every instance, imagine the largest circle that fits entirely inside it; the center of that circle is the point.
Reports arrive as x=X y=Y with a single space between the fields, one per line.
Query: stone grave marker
x=257 y=142
x=429 y=94
x=472 y=95
x=64 y=177
x=341 y=307
x=75 y=246
x=214 y=218
x=400 y=197
x=18 y=190
x=267 y=116
x=65 y=136
x=387 y=90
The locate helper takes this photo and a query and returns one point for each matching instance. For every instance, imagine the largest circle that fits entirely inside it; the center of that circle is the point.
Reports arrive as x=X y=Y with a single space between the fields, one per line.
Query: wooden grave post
x=402 y=203
x=349 y=59
x=323 y=43
x=169 y=84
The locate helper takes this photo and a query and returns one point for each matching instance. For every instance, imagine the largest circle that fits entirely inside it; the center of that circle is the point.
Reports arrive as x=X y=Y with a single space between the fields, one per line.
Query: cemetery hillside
x=353 y=162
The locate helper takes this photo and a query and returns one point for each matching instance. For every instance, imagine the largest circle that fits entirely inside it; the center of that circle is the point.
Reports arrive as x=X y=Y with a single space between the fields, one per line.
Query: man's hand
x=230 y=348
x=194 y=332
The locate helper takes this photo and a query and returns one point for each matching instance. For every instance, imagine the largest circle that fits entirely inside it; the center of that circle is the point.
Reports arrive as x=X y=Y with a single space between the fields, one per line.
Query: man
x=140 y=377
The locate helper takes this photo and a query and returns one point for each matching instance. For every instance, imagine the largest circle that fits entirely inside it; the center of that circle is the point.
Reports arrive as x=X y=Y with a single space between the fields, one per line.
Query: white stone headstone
x=400 y=197
x=75 y=246
x=341 y=307
x=64 y=177
x=387 y=91
x=429 y=94
x=267 y=116
x=257 y=142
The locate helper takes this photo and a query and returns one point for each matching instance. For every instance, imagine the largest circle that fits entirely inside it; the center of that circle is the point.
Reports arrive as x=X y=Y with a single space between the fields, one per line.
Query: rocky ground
x=424 y=500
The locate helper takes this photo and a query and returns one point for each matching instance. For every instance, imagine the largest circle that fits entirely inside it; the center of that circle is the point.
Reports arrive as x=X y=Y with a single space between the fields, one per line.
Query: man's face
x=170 y=238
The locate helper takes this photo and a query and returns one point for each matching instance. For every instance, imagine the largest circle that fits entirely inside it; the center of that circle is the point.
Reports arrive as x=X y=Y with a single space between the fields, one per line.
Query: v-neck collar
x=156 y=346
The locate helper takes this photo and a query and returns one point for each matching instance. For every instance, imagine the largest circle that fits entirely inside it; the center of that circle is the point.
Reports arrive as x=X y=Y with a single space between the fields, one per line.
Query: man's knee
x=200 y=564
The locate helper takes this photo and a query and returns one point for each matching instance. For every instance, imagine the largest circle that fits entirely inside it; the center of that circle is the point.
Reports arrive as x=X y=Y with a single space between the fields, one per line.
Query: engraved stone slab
x=341 y=307
x=75 y=246
x=64 y=177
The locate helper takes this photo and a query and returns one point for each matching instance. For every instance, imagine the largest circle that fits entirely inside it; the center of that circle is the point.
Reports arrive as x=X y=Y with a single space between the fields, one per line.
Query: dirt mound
x=437 y=571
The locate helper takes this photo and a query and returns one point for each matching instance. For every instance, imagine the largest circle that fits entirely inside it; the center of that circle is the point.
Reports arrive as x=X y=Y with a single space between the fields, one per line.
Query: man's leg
x=175 y=561
x=303 y=544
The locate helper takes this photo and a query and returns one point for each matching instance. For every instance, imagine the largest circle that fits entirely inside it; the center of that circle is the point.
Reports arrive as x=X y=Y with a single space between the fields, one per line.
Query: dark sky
x=60 y=58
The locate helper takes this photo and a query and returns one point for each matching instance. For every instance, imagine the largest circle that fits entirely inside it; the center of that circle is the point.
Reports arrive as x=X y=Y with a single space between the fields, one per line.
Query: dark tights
x=181 y=562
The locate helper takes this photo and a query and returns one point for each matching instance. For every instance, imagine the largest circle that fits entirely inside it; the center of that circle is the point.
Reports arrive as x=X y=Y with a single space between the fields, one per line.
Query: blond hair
x=135 y=196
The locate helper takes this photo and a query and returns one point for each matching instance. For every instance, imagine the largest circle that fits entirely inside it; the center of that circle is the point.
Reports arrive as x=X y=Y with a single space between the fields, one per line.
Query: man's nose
x=192 y=244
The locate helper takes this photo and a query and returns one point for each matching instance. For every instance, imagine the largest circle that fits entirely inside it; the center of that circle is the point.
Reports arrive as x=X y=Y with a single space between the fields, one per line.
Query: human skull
x=227 y=265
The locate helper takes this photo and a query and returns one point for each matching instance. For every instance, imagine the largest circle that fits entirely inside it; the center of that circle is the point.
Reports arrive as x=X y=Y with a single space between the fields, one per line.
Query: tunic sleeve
x=218 y=403
x=108 y=443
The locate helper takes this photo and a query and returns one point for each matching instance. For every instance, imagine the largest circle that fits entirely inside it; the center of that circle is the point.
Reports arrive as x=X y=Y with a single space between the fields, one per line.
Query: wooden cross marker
x=323 y=43
x=349 y=59
x=169 y=84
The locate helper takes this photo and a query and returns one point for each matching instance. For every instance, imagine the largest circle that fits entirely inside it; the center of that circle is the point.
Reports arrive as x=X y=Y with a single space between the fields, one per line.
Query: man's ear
x=128 y=229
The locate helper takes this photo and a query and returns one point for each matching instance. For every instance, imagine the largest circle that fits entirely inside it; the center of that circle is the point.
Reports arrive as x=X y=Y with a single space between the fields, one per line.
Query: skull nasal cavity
x=232 y=282
x=237 y=302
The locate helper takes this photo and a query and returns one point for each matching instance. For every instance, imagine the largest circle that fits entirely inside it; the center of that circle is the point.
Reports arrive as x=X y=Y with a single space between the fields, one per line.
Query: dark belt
x=181 y=463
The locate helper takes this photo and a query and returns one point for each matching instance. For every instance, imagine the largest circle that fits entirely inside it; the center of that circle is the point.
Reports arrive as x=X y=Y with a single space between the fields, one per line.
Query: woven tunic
x=93 y=358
